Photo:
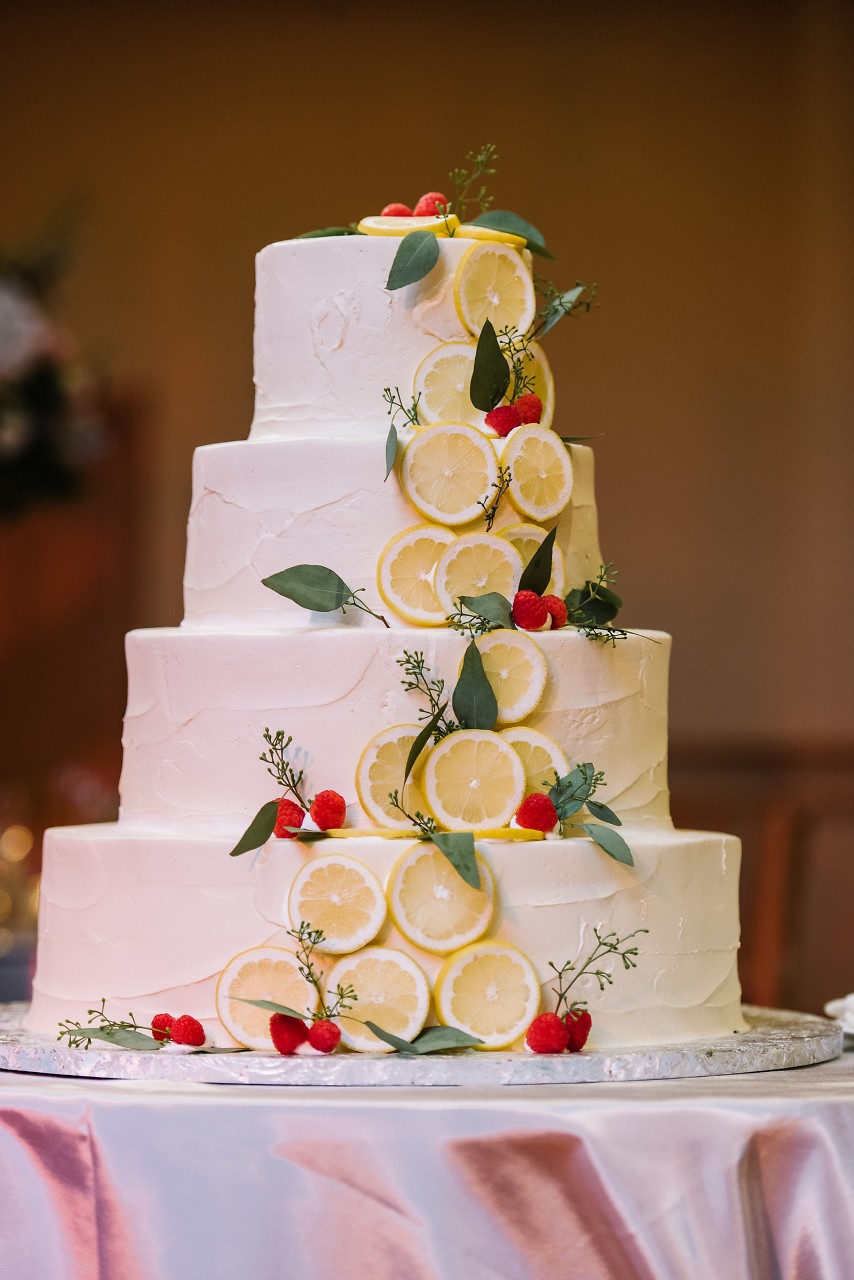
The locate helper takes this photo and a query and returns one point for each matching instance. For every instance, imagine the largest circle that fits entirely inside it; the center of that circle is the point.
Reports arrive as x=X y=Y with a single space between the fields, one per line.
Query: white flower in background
x=843 y=1011
x=25 y=331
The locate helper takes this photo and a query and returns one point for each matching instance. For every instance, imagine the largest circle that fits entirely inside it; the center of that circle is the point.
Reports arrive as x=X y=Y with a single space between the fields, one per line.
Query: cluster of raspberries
x=532 y=612
x=427 y=207
x=289 y=1033
x=183 y=1030
x=527 y=409
x=327 y=812
x=549 y=1033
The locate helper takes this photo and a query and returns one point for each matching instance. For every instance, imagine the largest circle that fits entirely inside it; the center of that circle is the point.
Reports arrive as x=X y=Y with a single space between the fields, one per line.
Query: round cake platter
x=775 y=1040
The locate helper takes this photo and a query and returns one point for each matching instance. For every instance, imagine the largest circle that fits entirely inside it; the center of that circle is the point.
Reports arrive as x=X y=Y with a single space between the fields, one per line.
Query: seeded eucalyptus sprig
x=573 y=792
x=492 y=501
x=516 y=348
x=593 y=607
x=417 y=679
x=608 y=944
x=314 y=587
x=395 y=403
x=280 y=768
x=482 y=164
x=127 y=1034
x=557 y=304
x=425 y=825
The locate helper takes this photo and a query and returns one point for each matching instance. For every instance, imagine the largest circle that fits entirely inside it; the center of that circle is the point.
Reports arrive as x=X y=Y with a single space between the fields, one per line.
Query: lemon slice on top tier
x=433 y=906
x=541 y=756
x=447 y=471
x=473 y=778
x=380 y=771
x=392 y=991
x=526 y=538
x=341 y=896
x=541 y=471
x=516 y=668
x=489 y=989
x=376 y=225
x=406 y=571
x=263 y=973
x=474 y=231
x=474 y=564
x=492 y=283
x=442 y=383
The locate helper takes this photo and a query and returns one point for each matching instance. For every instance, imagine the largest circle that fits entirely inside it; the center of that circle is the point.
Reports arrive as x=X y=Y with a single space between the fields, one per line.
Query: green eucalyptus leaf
x=493 y=607
x=327 y=231
x=558 y=308
x=307 y=837
x=125 y=1038
x=565 y=808
x=311 y=586
x=402 y=1046
x=593 y=604
x=390 y=450
x=504 y=220
x=259 y=830
x=601 y=811
x=458 y=848
x=437 y=1039
x=271 y=1007
x=474 y=701
x=538 y=570
x=421 y=741
x=490 y=372
x=416 y=257
x=581 y=439
x=609 y=840
x=220 y=1048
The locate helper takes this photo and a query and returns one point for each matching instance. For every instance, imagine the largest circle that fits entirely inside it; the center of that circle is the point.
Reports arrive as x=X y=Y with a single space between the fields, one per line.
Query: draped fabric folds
x=750 y=1177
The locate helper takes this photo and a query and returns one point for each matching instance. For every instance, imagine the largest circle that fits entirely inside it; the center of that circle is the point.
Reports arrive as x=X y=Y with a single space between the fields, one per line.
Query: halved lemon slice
x=433 y=906
x=369 y=833
x=263 y=973
x=380 y=771
x=447 y=470
x=472 y=565
x=405 y=573
x=493 y=283
x=526 y=538
x=341 y=896
x=540 y=755
x=541 y=471
x=473 y=778
x=376 y=225
x=537 y=368
x=392 y=991
x=474 y=231
x=489 y=989
x=516 y=669
x=442 y=381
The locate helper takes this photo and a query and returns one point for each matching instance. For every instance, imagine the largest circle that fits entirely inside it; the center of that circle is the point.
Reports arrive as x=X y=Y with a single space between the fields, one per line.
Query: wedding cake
x=395 y=596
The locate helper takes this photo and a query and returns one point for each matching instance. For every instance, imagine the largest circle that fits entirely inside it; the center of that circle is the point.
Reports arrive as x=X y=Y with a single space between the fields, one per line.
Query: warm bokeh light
x=6 y=904
x=15 y=843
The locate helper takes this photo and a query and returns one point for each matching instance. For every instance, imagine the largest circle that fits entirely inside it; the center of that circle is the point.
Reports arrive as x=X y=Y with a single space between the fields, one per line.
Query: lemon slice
x=405 y=573
x=508 y=833
x=536 y=367
x=474 y=564
x=489 y=989
x=541 y=472
x=264 y=973
x=380 y=770
x=442 y=381
x=433 y=906
x=493 y=283
x=447 y=470
x=341 y=896
x=376 y=225
x=516 y=669
x=526 y=538
x=474 y=231
x=372 y=833
x=540 y=755
x=473 y=778
x=392 y=991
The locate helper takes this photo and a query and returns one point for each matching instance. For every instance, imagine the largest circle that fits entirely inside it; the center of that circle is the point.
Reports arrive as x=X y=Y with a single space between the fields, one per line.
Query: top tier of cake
x=329 y=335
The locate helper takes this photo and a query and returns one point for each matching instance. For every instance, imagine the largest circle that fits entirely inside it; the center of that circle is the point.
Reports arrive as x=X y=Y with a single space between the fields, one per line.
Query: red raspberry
x=530 y=407
x=328 y=810
x=557 y=611
x=429 y=205
x=537 y=813
x=161 y=1025
x=287 y=1033
x=188 y=1030
x=547 y=1034
x=503 y=419
x=578 y=1024
x=396 y=210
x=529 y=611
x=290 y=815
x=324 y=1035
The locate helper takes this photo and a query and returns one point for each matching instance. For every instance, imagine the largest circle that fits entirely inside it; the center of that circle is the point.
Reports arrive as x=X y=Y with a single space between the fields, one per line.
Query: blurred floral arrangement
x=50 y=425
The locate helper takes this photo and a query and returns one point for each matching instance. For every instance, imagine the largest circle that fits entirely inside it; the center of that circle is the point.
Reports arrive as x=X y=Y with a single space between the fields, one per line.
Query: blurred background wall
x=694 y=160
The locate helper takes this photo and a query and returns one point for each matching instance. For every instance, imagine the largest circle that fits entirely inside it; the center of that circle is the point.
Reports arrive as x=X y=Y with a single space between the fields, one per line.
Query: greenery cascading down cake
x=395 y=596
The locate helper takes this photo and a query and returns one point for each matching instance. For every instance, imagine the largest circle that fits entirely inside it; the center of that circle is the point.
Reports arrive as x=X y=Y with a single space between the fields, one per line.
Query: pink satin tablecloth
x=716 y=1179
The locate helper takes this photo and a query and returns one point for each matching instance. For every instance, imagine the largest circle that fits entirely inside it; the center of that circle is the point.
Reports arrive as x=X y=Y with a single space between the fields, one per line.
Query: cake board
x=776 y=1040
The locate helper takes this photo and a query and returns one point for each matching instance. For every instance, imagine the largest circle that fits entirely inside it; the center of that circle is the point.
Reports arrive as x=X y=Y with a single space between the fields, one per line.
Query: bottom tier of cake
x=149 y=922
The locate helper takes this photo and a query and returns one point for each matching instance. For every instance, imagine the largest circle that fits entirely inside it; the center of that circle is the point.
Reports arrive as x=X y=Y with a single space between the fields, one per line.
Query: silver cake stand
x=775 y=1040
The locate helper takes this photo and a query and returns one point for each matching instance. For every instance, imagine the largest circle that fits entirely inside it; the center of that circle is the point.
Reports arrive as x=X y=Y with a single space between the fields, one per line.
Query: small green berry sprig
x=607 y=944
